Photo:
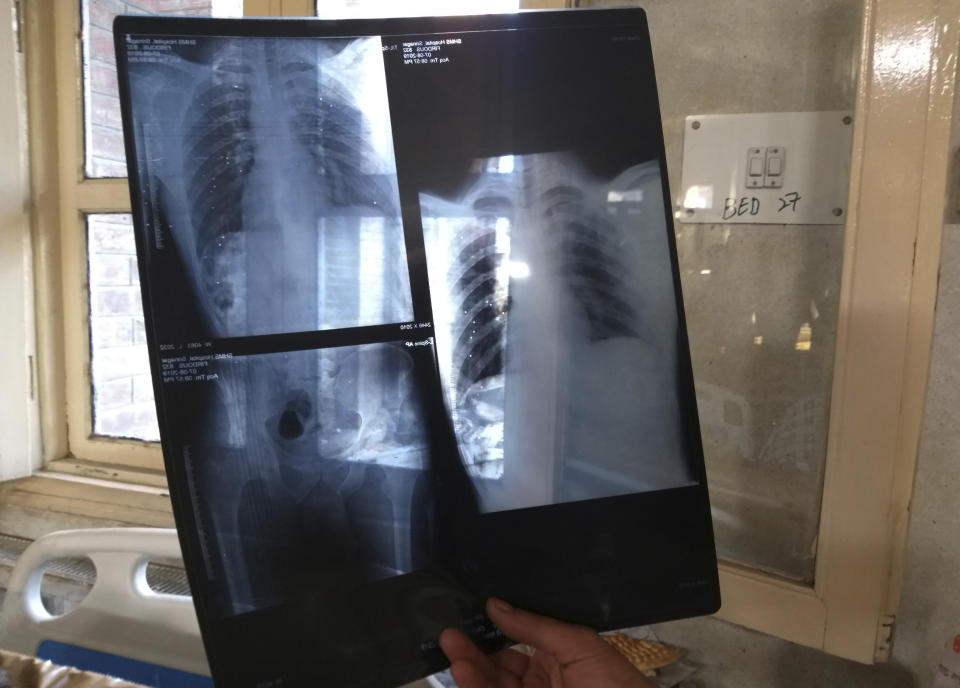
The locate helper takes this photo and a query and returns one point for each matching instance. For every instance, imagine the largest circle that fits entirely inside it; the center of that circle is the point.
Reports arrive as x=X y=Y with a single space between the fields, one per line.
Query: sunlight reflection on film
x=556 y=329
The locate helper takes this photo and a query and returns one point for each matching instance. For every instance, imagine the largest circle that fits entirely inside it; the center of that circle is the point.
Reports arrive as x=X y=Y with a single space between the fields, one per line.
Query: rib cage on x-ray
x=272 y=164
x=556 y=330
x=470 y=305
x=588 y=246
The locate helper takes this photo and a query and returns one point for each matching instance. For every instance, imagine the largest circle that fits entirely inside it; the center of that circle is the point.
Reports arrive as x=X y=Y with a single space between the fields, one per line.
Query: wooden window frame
x=904 y=107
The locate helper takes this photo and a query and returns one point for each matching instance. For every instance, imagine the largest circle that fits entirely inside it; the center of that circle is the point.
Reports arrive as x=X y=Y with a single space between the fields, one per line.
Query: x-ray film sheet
x=412 y=306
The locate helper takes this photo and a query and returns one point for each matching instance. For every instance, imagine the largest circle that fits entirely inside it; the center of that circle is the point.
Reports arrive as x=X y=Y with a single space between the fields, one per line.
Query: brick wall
x=122 y=392
x=105 y=156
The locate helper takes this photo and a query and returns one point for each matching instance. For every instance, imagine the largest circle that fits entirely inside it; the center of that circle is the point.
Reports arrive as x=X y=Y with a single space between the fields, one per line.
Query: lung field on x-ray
x=270 y=163
x=556 y=326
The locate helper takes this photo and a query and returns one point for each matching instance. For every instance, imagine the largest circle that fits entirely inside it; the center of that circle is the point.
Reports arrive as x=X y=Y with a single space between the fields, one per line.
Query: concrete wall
x=713 y=57
x=19 y=421
x=751 y=289
x=929 y=614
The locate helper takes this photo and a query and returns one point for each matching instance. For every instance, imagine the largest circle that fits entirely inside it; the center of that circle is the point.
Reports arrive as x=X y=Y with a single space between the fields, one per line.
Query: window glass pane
x=761 y=299
x=102 y=130
x=392 y=8
x=120 y=369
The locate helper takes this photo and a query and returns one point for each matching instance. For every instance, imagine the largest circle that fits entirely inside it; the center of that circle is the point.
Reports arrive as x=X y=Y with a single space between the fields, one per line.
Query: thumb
x=566 y=642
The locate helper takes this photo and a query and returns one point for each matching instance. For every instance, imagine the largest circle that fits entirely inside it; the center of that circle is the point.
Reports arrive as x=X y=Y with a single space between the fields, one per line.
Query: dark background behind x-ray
x=500 y=95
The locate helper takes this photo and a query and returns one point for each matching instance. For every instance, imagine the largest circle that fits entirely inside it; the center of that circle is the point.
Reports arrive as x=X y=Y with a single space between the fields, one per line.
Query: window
x=122 y=392
x=844 y=588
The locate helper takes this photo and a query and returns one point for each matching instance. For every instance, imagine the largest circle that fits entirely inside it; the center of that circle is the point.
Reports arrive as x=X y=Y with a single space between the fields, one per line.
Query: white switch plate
x=816 y=169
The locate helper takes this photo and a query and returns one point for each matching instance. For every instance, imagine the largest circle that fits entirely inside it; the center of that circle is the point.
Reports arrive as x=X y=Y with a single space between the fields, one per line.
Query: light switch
x=773 y=179
x=755 y=163
x=720 y=181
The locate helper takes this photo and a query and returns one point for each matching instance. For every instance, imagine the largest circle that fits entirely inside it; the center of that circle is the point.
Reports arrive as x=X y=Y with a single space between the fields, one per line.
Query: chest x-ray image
x=270 y=173
x=556 y=330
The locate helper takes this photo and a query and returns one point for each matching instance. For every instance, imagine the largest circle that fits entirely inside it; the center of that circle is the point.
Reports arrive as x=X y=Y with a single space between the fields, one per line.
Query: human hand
x=564 y=656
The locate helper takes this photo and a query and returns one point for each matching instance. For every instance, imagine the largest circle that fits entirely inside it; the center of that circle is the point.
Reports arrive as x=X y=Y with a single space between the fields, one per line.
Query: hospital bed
x=123 y=627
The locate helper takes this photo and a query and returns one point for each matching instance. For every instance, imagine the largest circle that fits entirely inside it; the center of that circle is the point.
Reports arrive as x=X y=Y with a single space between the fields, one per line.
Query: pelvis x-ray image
x=310 y=465
x=556 y=330
x=269 y=164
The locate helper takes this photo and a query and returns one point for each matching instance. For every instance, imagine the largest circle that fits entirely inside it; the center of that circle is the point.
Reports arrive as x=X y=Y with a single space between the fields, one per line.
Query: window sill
x=110 y=472
x=47 y=502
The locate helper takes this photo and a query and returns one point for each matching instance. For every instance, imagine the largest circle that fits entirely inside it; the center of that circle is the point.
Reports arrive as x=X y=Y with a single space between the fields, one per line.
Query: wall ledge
x=47 y=502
